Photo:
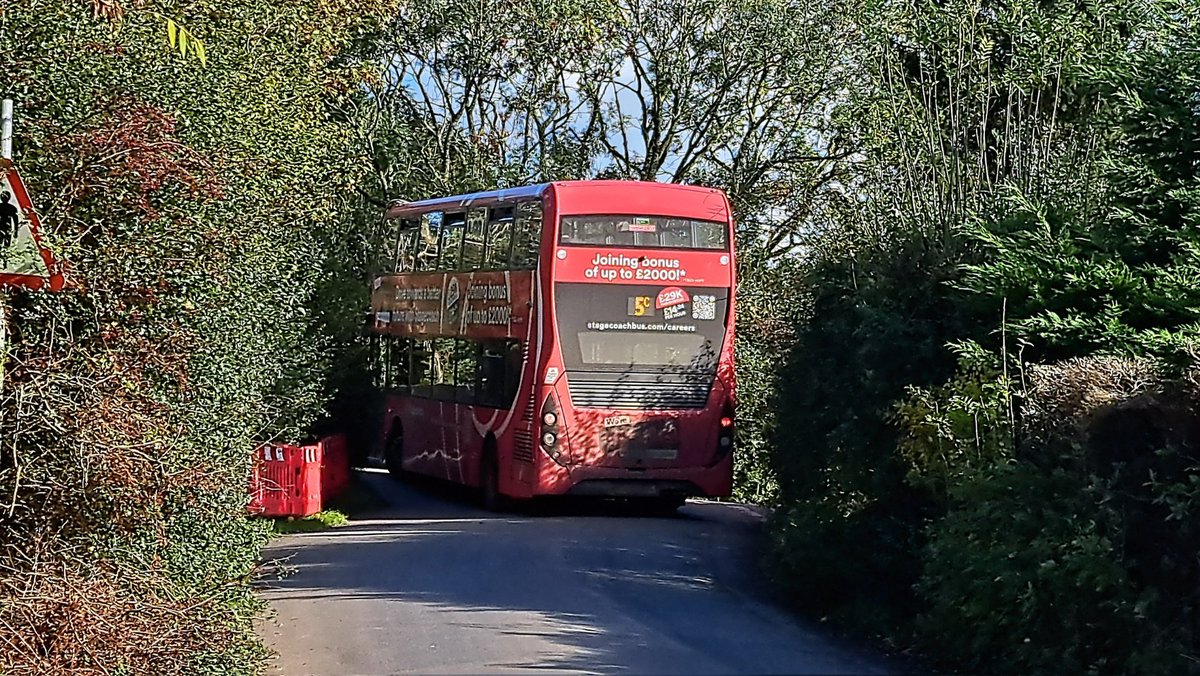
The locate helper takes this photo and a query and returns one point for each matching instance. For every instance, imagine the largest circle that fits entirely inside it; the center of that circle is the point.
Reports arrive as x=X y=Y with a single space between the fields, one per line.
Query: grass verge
x=329 y=518
x=356 y=500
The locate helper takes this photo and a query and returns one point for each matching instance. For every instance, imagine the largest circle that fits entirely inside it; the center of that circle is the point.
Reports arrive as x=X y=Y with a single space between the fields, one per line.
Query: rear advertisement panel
x=475 y=304
x=641 y=328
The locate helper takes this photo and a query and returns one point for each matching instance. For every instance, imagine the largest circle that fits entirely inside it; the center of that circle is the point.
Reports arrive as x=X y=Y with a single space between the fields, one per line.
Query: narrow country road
x=432 y=585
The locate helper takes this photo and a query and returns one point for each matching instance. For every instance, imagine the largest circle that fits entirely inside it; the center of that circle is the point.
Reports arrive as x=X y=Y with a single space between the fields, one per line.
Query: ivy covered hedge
x=201 y=206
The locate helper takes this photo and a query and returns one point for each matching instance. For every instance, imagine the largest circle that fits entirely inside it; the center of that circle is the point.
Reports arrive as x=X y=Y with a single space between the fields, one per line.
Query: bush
x=1033 y=190
x=952 y=432
x=1025 y=575
x=197 y=205
x=770 y=305
x=853 y=563
x=1078 y=552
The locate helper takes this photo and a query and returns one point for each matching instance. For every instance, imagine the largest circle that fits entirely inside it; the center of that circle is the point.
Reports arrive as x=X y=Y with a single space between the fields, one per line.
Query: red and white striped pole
x=6 y=115
x=6 y=137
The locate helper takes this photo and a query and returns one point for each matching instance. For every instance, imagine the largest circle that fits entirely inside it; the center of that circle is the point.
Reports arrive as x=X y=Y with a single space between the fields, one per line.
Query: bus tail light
x=550 y=431
x=725 y=434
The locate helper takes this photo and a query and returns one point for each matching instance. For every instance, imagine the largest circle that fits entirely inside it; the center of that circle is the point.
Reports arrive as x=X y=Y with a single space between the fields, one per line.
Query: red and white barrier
x=289 y=480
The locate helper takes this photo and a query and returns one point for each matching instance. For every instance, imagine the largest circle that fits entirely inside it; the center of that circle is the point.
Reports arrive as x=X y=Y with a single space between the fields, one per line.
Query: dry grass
x=88 y=461
x=1063 y=398
x=55 y=620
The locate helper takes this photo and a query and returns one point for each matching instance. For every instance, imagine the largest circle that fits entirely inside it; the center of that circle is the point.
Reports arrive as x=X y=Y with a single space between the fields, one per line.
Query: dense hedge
x=994 y=455
x=199 y=206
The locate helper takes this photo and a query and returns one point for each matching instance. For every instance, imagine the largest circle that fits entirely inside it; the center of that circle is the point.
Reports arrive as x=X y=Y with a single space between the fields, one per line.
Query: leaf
x=199 y=46
x=171 y=32
x=183 y=36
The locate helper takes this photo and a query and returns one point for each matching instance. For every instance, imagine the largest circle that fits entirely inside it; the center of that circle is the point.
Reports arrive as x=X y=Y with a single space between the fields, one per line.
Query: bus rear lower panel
x=712 y=482
x=634 y=488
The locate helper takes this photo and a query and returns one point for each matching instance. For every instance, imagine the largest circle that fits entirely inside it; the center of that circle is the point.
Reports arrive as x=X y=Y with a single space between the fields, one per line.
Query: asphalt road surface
x=434 y=585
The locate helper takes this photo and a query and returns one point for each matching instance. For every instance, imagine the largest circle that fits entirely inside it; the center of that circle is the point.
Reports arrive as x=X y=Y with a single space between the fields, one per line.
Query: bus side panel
x=550 y=477
x=518 y=445
x=517 y=481
x=516 y=439
x=515 y=428
x=429 y=431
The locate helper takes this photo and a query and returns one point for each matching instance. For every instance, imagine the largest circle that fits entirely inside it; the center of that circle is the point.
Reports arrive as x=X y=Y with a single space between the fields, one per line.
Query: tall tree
x=1114 y=267
x=478 y=95
x=734 y=93
x=738 y=94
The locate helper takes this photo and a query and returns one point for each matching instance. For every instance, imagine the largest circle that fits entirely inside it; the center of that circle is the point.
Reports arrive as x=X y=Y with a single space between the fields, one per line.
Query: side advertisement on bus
x=492 y=304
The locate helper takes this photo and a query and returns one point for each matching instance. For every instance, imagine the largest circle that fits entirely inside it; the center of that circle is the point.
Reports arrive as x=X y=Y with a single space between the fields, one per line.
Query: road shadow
x=434 y=584
x=422 y=495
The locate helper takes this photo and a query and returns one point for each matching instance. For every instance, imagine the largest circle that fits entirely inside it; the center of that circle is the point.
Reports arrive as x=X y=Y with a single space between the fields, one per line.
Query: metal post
x=6 y=137
x=6 y=115
x=3 y=339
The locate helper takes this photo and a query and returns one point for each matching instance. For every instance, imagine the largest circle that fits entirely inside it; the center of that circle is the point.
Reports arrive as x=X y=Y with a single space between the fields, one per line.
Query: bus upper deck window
x=405 y=245
x=429 y=237
x=709 y=235
x=677 y=233
x=643 y=231
x=499 y=238
x=474 y=239
x=527 y=235
x=452 y=240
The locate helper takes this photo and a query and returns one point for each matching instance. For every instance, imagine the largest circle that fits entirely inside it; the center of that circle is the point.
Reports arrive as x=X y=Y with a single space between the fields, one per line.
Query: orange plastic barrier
x=335 y=467
x=289 y=480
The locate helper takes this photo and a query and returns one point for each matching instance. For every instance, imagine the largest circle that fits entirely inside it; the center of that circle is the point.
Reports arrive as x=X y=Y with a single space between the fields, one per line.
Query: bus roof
x=400 y=210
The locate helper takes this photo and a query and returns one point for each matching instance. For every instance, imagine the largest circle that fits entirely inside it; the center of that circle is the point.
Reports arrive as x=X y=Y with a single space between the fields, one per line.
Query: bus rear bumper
x=634 y=488
x=712 y=482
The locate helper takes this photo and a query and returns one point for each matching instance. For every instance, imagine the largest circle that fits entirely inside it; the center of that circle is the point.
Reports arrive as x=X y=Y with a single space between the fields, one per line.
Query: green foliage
x=1024 y=575
x=851 y=557
x=953 y=432
x=330 y=518
x=878 y=323
x=184 y=40
x=199 y=206
x=1114 y=269
x=1088 y=538
x=479 y=96
x=770 y=305
x=1026 y=194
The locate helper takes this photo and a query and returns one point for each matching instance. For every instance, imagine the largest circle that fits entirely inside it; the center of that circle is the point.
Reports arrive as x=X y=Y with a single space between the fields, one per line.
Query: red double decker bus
x=565 y=338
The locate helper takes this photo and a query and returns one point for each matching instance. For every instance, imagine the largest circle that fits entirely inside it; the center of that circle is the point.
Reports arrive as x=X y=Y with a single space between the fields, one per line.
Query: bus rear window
x=611 y=348
x=651 y=232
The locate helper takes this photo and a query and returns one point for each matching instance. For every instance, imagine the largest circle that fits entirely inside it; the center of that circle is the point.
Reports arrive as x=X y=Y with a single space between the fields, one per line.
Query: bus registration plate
x=616 y=421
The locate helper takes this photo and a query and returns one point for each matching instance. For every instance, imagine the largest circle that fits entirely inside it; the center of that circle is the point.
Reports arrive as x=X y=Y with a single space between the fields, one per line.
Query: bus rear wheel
x=489 y=480
x=665 y=505
x=393 y=451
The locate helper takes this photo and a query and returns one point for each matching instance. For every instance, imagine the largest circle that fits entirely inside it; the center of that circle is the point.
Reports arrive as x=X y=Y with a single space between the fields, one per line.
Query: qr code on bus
x=704 y=307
